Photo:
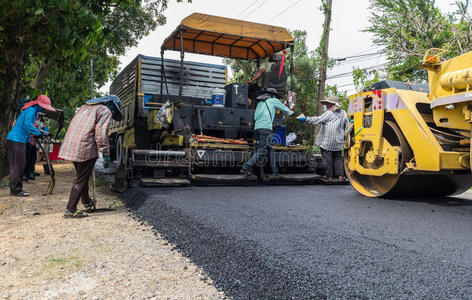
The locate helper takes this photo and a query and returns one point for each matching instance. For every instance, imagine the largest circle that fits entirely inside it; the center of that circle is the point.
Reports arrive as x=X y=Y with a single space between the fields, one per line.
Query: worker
x=269 y=75
x=333 y=122
x=18 y=137
x=86 y=136
x=32 y=150
x=263 y=128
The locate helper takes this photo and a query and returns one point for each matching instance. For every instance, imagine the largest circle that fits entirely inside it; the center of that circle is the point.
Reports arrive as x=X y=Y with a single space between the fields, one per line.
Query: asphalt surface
x=316 y=242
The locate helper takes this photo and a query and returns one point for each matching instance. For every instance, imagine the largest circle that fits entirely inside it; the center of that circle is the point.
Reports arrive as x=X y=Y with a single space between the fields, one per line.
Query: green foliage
x=243 y=70
x=58 y=38
x=407 y=28
x=46 y=47
x=363 y=78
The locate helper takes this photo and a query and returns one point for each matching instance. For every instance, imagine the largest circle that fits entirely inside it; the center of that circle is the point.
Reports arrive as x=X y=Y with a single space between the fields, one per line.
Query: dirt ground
x=106 y=255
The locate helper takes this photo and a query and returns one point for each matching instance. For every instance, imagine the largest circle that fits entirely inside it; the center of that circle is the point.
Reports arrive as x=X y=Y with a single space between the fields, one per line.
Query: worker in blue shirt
x=19 y=136
x=264 y=118
x=32 y=149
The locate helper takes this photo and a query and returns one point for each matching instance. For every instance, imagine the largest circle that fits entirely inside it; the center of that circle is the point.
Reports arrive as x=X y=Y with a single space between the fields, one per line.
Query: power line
x=340 y=75
x=284 y=10
x=359 y=56
x=255 y=9
x=344 y=85
x=357 y=60
x=244 y=10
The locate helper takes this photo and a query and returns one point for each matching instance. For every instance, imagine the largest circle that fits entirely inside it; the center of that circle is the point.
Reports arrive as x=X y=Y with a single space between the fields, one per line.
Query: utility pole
x=323 y=50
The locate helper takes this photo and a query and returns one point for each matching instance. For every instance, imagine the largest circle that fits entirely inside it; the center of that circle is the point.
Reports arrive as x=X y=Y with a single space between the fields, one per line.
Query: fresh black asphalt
x=315 y=241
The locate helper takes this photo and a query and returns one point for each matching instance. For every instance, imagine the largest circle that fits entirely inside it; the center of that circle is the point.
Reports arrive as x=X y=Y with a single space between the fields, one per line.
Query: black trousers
x=80 y=186
x=17 y=160
x=333 y=162
x=31 y=157
x=264 y=150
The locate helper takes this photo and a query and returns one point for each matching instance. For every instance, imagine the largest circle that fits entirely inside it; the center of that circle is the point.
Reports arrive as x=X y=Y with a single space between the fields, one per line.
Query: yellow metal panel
x=451 y=76
x=389 y=153
x=451 y=161
x=295 y=148
x=451 y=118
x=173 y=140
x=218 y=145
x=425 y=147
x=128 y=139
x=151 y=125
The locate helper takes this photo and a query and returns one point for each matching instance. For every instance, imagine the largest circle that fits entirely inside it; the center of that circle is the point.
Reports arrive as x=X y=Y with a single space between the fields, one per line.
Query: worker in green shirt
x=264 y=118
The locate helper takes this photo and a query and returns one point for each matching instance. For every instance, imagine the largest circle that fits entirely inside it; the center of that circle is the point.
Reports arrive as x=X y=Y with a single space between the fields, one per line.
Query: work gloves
x=106 y=161
x=301 y=118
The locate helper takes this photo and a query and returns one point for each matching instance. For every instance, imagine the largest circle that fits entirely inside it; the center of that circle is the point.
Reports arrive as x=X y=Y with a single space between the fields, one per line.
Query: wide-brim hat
x=331 y=100
x=45 y=102
x=41 y=100
x=112 y=102
x=268 y=93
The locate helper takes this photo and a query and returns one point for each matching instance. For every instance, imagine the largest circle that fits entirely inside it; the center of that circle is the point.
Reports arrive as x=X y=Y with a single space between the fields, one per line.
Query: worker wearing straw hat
x=333 y=122
x=19 y=136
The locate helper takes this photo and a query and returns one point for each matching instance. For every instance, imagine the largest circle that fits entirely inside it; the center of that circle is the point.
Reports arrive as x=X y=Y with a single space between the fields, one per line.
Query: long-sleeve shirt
x=87 y=134
x=331 y=135
x=40 y=125
x=24 y=125
x=265 y=117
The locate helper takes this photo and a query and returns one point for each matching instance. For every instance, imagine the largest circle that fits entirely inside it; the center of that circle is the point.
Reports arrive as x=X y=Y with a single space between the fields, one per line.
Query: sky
x=349 y=18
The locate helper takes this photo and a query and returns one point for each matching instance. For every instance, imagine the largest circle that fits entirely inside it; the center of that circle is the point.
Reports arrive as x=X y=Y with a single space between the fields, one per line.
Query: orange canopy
x=218 y=36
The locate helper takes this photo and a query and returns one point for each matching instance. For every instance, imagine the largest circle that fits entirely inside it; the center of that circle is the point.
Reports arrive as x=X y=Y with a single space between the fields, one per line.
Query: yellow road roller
x=410 y=140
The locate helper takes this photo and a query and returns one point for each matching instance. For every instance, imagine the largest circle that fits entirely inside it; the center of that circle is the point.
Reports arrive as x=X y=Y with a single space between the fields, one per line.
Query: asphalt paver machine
x=176 y=136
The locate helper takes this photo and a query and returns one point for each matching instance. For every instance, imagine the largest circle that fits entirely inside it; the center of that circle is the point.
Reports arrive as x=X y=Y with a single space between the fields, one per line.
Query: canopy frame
x=176 y=41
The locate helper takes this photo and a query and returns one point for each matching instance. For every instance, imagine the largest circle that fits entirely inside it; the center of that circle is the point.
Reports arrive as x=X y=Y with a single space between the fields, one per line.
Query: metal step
x=223 y=178
x=164 y=182
x=305 y=177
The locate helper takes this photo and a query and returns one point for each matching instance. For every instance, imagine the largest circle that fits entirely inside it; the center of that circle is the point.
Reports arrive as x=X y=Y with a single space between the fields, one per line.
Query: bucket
x=218 y=97
x=278 y=138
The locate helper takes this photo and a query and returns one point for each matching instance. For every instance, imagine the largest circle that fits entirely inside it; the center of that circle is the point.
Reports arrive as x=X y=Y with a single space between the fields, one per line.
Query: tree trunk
x=43 y=68
x=327 y=5
x=323 y=49
x=15 y=61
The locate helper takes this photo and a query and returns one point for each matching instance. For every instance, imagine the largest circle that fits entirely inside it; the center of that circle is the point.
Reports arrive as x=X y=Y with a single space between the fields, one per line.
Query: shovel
x=48 y=169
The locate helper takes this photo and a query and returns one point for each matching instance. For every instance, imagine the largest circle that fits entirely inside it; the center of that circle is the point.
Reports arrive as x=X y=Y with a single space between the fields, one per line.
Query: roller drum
x=397 y=185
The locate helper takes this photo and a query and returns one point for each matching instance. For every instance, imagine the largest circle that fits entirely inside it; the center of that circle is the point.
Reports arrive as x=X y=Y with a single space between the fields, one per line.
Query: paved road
x=312 y=242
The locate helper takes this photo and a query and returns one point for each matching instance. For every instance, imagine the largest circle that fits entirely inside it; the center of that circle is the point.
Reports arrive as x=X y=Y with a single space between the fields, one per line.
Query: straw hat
x=332 y=100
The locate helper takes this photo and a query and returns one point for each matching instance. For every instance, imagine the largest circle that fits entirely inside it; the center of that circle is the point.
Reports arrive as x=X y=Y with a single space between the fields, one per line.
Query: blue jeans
x=264 y=150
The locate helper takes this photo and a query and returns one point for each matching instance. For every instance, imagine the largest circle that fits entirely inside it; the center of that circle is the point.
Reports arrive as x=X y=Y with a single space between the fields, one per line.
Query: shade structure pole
x=292 y=57
x=181 y=63
x=162 y=70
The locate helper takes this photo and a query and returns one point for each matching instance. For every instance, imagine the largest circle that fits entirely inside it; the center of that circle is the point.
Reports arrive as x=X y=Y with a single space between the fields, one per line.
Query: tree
x=407 y=28
x=305 y=73
x=326 y=7
x=243 y=70
x=38 y=36
x=363 y=78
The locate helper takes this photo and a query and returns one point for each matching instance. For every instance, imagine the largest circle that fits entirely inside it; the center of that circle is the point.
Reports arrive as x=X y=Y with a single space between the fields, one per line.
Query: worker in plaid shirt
x=333 y=122
x=86 y=136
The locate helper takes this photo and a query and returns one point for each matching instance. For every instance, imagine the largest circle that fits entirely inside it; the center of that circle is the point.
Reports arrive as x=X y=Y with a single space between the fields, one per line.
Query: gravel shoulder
x=110 y=254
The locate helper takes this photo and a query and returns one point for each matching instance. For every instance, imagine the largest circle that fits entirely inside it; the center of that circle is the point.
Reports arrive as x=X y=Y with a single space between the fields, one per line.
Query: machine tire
x=119 y=151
